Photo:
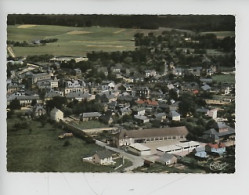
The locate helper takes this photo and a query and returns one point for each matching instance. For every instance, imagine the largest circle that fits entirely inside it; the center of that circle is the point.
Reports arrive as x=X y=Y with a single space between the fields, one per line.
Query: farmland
x=73 y=41
x=38 y=149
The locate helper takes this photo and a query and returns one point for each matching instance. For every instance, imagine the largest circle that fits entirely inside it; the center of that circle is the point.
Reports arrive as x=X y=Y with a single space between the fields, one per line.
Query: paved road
x=137 y=161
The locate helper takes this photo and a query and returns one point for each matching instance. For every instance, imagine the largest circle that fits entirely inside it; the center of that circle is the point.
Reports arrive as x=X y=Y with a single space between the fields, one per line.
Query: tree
x=173 y=94
x=34 y=102
x=211 y=124
x=187 y=104
x=57 y=102
x=15 y=104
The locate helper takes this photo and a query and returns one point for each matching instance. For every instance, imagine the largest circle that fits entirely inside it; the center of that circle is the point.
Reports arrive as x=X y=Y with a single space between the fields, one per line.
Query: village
x=169 y=106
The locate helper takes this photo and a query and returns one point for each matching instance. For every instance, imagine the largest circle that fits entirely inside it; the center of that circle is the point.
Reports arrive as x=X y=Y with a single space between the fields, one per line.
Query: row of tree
x=191 y=22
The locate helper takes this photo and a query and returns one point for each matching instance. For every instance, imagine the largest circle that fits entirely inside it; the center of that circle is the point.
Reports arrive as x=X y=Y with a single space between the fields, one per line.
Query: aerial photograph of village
x=120 y=93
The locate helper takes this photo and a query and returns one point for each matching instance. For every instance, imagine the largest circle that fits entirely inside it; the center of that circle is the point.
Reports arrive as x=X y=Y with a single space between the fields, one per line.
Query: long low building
x=180 y=147
x=139 y=149
x=128 y=137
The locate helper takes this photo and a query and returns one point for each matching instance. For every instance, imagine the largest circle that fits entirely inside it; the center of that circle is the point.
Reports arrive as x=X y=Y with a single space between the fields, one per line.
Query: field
x=90 y=124
x=221 y=34
x=226 y=78
x=40 y=150
x=73 y=41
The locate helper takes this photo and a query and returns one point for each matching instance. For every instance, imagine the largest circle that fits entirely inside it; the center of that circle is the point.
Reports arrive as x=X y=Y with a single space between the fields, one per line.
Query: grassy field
x=90 y=124
x=220 y=34
x=228 y=78
x=73 y=41
x=41 y=151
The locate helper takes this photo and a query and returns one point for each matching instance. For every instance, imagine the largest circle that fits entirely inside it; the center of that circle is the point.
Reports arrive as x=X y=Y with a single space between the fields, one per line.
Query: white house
x=212 y=113
x=56 y=115
x=103 y=157
x=175 y=116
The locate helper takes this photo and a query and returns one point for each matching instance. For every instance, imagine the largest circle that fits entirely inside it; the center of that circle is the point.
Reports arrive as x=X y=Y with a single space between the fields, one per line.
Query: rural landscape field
x=77 y=41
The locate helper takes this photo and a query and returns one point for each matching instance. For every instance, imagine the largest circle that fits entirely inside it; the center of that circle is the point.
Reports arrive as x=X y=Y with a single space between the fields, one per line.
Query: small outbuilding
x=167 y=159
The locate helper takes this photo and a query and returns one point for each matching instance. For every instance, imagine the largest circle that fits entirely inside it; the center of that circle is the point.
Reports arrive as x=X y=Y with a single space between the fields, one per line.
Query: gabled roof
x=148 y=102
x=104 y=154
x=216 y=146
x=157 y=132
x=165 y=157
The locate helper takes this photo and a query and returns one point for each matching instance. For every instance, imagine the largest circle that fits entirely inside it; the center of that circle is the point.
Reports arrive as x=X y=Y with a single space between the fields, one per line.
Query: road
x=137 y=161
x=11 y=52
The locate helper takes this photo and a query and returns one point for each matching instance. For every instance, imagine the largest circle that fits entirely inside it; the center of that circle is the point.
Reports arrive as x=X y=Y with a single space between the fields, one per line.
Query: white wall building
x=56 y=115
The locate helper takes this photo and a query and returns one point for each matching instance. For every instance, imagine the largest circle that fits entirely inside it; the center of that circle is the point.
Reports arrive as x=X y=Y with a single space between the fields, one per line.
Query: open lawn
x=224 y=78
x=40 y=150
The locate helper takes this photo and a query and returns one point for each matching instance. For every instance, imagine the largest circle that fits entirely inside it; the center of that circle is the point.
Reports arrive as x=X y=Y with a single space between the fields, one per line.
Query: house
x=139 y=111
x=103 y=157
x=150 y=73
x=200 y=152
x=87 y=116
x=48 y=84
x=174 y=106
x=127 y=87
x=202 y=110
x=160 y=116
x=38 y=111
x=139 y=149
x=147 y=103
x=49 y=95
x=108 y=85
x=40 y=76
x=125 y=111
x=206 y=87
x=142 y=119
x=117 y=68
x=79 y=96
x=219 y=148
x=167 y=159
x=107 y=97
x=25 y=100
x=56 y=115
x=104 y=70
x=223 y=133
x=125 y=137
x=77 y=72
x=212 y=113
x=175 y=116
x=206 y=80
x=107 y=118
x=178 y=72
x=74 y=86
x=141 y=92
x=112 y=105
x=196 y=71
